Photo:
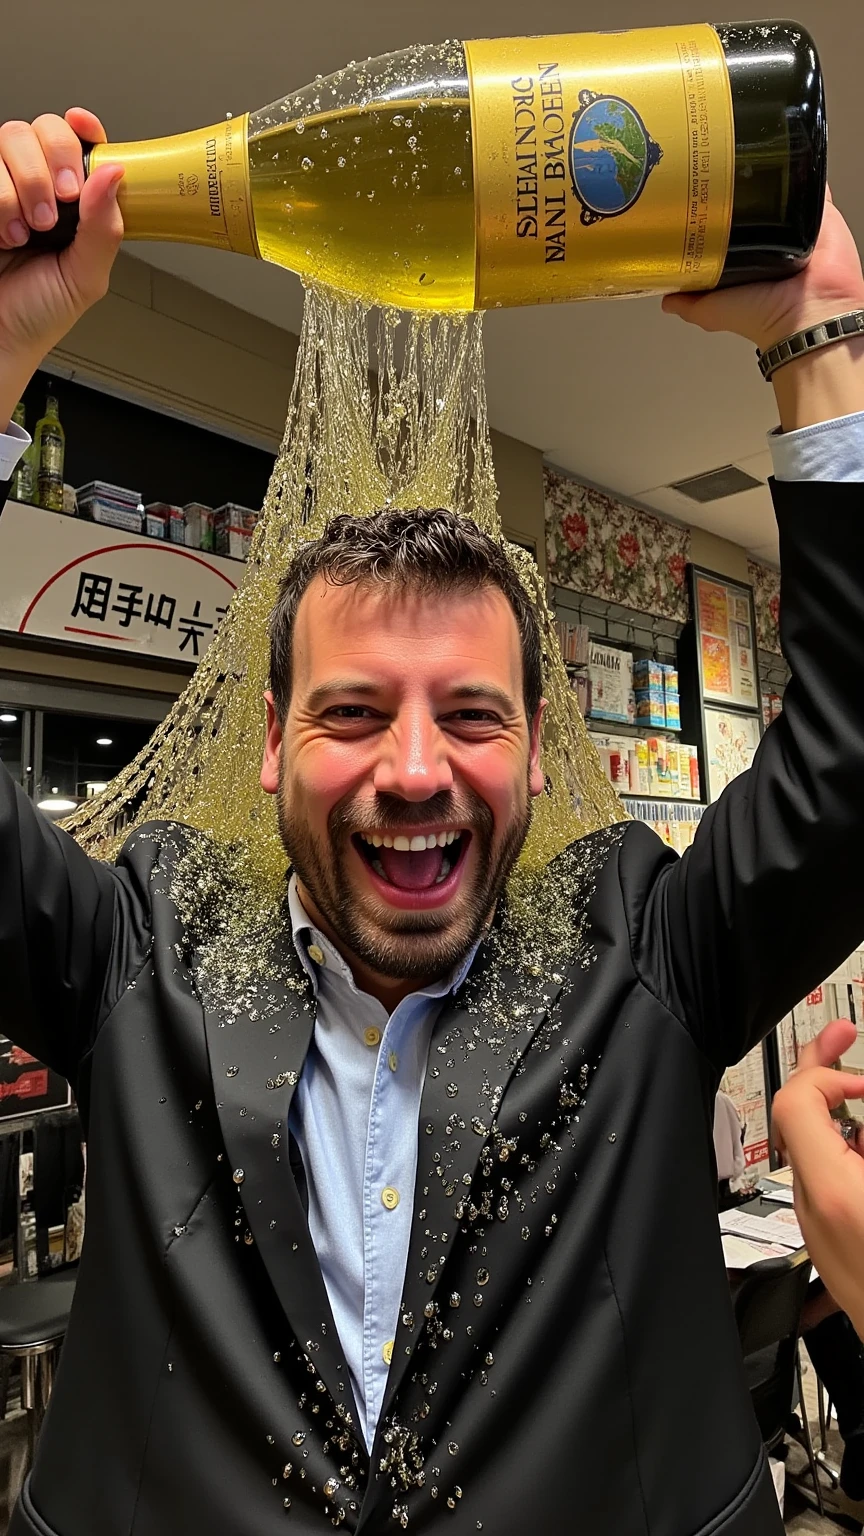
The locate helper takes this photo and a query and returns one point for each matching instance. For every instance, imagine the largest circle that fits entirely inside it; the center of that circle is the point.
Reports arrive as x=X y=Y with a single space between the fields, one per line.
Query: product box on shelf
x=233 y=527
x=115 y=506
x=610 y=676
x=650 y=707
x=648 y=673
x=671 y=698
x=128 y=518
x=199 y=526
x=155 y=525
x=172 y=517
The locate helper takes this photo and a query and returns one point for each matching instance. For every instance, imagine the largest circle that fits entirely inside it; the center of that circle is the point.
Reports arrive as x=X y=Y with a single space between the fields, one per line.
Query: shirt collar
x=306 y=936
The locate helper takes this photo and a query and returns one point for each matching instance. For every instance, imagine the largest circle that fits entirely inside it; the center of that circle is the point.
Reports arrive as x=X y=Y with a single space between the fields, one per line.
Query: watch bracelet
x=811 y=339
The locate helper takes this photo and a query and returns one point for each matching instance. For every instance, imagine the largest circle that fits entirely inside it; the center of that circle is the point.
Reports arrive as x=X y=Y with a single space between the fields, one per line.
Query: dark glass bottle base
x=781 y=148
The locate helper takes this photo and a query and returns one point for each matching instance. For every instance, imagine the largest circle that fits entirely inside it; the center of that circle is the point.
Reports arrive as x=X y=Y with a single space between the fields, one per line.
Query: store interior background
x=614 y=395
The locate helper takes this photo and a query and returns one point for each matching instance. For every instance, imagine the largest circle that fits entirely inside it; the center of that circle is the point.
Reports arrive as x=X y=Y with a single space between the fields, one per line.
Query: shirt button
x=316 y=953
x=372 y=1036
x=387 y=1352
x=390 y=1197
x=392 y=1061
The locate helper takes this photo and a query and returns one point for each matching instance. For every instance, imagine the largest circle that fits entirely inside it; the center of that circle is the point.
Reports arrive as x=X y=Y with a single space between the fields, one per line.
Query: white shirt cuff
x=13 y=443
x=830 y=450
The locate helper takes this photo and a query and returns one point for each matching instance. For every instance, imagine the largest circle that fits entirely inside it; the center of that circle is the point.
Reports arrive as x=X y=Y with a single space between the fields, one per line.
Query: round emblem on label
x=612 y=155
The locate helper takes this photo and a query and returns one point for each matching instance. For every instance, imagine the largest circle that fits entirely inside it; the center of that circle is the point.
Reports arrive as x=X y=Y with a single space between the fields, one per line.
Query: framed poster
x=726 y=627
x=731 y=740
x=27 y=1087
x=718 y=659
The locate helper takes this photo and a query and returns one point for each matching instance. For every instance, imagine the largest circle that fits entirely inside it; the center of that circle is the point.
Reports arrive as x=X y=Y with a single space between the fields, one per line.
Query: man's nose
x=414 y=762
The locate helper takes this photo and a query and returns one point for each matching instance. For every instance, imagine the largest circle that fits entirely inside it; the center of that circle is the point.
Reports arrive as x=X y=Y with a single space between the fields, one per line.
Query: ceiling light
x=56 y=803
x=104 y=741
x=7 y=719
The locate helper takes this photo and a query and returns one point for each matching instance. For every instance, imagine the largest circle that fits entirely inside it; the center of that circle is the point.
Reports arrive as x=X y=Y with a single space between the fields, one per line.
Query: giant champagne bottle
x=513 y=171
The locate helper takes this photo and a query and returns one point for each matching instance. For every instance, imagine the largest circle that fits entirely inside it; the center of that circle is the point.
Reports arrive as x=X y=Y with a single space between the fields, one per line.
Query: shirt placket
x=387 y=1207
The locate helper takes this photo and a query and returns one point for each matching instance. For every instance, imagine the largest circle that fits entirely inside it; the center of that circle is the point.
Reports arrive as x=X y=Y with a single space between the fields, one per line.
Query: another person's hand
x=829 y=1171
x=831 y=284
x=42 y=296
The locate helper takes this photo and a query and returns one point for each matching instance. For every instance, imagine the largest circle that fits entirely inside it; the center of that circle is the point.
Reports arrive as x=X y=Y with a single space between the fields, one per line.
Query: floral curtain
x=766 y=596
x=603 y=547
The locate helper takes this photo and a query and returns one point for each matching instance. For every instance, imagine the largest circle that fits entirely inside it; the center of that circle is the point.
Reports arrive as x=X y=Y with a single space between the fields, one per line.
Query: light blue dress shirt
x=354 y=1116
x=356 y=1108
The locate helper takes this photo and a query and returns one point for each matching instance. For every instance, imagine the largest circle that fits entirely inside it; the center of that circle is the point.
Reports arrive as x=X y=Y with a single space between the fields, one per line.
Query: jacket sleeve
x=770 y=898
x=71 y=930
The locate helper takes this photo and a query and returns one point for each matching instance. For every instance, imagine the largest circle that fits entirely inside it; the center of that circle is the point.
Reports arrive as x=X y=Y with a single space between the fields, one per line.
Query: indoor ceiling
x=688 y=402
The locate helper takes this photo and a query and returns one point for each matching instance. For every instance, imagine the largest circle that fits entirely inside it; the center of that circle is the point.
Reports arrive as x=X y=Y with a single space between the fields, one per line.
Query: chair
x=768 y=1306
x=33 y=1318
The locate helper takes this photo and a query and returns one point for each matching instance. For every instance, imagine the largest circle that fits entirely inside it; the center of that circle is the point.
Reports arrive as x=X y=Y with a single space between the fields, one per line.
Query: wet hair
x=419 y=550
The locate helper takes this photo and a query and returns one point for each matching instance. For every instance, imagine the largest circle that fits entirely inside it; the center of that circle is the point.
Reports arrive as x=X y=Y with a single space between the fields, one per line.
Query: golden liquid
x=364 y=180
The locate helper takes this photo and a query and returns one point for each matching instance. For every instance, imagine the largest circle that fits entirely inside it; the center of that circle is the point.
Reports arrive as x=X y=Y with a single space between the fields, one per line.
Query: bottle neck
x=189 y=187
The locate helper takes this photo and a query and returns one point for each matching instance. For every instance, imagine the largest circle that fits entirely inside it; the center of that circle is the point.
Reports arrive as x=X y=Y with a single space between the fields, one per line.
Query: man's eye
x=475 y=717
x=349 y=712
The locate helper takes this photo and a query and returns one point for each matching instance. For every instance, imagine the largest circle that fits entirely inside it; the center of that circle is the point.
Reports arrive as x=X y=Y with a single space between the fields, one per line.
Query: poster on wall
x=745 y=1085
x=731 y=740
x=726 y=642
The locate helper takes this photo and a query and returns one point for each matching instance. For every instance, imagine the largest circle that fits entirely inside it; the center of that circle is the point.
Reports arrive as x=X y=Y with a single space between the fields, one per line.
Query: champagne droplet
x=299 y=126
x=306 y=163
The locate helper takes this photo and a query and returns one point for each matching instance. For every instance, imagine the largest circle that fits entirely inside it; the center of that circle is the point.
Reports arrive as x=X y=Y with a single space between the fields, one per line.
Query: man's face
x=404 y=769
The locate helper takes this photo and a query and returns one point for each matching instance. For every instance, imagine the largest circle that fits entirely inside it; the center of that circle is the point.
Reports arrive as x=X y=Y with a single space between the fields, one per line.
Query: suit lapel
x=256 y=1057
x=475 y=1049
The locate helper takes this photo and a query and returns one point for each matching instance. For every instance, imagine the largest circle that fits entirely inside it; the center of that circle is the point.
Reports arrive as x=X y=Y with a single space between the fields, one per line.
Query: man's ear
x=272 y=748
x=536 y=780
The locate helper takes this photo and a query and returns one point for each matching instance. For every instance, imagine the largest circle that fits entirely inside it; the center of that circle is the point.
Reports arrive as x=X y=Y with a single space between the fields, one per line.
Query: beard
x=403 y=945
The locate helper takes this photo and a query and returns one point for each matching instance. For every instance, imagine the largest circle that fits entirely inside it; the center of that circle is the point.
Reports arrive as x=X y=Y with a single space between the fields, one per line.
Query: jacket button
x=390 y=1197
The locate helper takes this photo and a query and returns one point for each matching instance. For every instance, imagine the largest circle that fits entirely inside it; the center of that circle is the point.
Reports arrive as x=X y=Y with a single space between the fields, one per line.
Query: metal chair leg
x=808 y=1438
x=831 y=1471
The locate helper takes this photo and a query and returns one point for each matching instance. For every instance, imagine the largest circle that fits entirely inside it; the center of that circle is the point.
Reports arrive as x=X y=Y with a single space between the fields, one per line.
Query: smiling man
x=403 y=792
x=401 y=1191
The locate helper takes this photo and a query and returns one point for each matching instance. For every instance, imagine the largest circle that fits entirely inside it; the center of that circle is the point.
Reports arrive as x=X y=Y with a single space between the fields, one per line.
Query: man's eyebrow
x=339 y=686
x=489 y=692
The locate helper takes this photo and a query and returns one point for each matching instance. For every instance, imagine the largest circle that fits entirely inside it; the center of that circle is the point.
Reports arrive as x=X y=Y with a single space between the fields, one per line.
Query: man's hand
x=41 y=297
x=831 y=283
x=817 y=387
x=829 y=1171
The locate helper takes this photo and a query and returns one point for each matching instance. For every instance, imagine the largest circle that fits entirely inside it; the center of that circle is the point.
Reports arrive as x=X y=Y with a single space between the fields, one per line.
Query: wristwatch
x=841 y=328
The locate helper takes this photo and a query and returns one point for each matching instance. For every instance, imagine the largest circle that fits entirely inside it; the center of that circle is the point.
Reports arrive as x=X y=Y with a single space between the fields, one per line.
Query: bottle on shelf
x=510 y=171
x=50 y=444
x=23 y=486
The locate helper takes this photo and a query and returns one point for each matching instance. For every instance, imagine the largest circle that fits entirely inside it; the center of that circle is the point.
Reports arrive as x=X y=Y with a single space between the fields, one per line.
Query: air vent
x=726 y=481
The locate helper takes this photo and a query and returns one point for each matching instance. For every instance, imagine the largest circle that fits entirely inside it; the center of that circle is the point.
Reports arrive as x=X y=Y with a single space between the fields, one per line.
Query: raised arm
x=65 y=920
x=770 y=897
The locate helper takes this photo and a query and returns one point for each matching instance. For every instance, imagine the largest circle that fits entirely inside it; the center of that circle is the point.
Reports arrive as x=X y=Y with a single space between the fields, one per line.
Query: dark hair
x=429 y=551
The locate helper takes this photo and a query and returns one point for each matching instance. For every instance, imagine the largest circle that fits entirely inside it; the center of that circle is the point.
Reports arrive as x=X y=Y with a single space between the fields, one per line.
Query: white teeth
x=402 y=845
x=432 y=840
x=451 y=836
x=376 y=840
x=387 y=842
x=441 y=840
x=417 y=844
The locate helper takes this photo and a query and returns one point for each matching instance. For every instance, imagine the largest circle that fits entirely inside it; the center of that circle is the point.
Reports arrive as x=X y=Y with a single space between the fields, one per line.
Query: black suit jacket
x=566 y=1357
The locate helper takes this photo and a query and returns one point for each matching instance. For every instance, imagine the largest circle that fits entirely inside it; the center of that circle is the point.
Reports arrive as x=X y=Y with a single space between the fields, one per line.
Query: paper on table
x=739 y=1254
x=781 y=1176
x=781 y=1195
x=780 y=1227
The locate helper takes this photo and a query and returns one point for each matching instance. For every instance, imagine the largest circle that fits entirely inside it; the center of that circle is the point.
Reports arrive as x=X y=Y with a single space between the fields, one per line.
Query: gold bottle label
x=192 y=187
x=603 y=163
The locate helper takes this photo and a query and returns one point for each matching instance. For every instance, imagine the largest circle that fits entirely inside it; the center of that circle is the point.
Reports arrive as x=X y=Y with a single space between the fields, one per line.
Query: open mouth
x=413 y=861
